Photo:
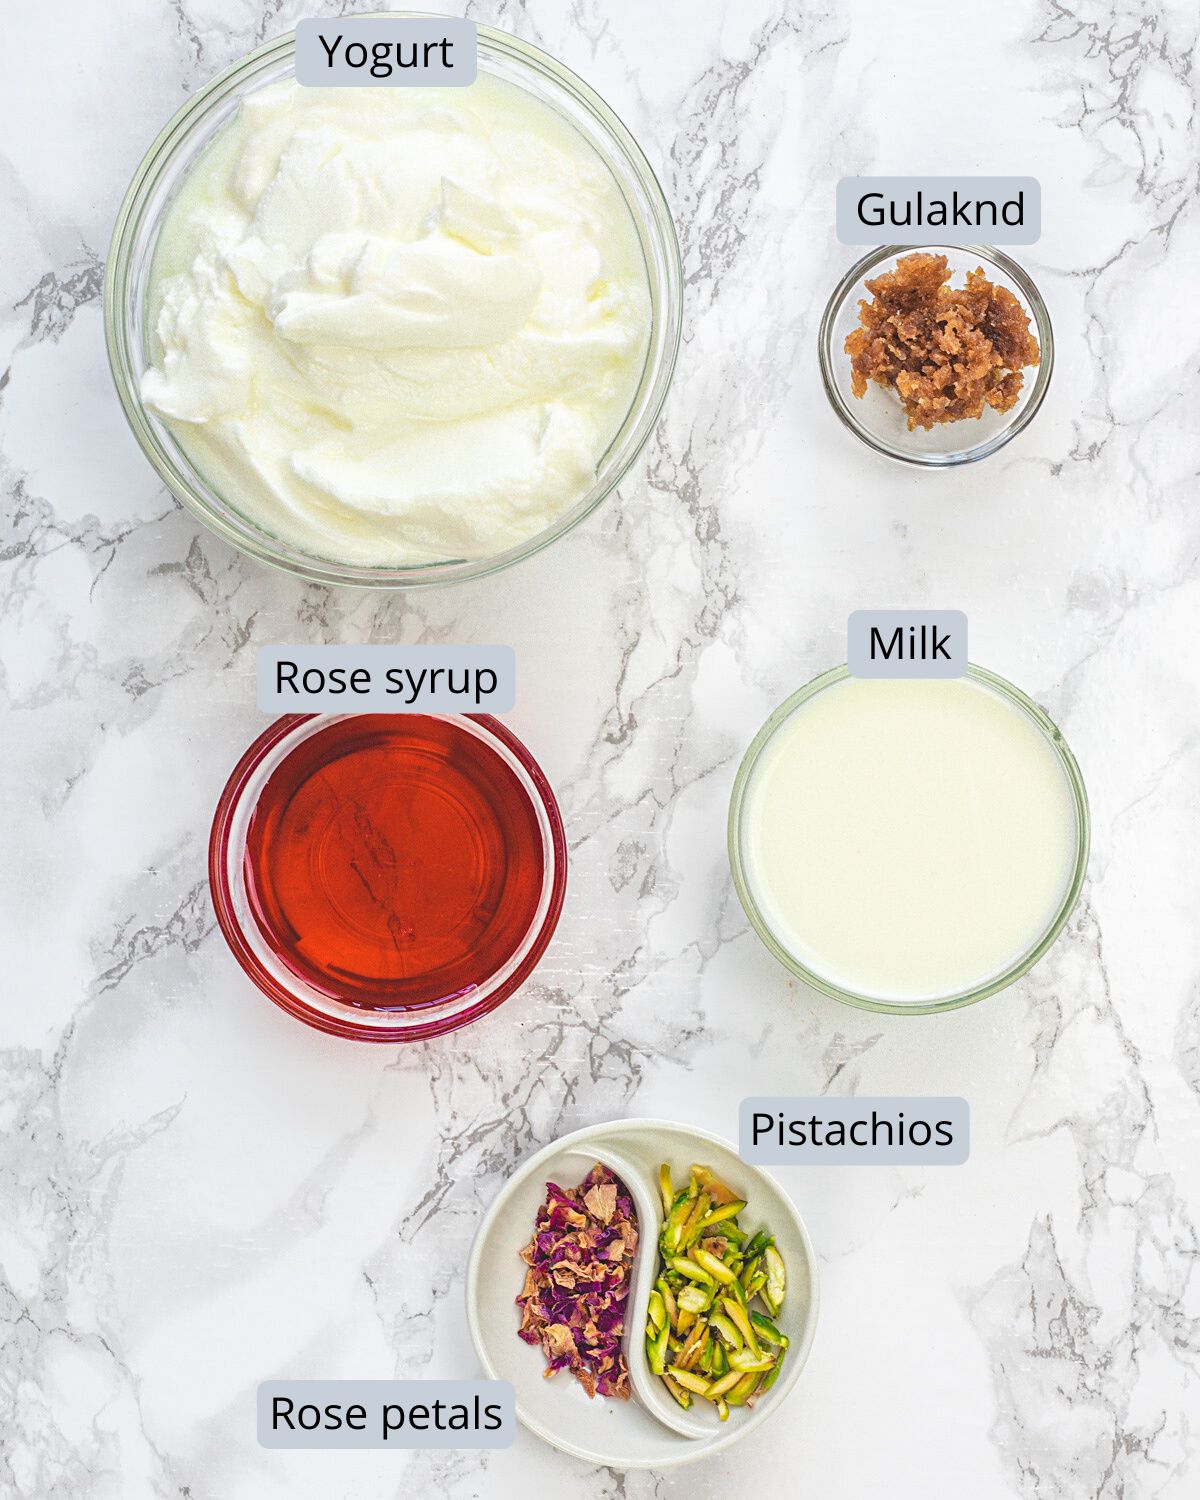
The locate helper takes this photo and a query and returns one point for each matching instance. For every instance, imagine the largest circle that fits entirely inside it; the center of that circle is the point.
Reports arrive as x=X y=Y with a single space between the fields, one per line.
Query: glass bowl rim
x=290 y=999
x=975 y=452
x=1016 y=970
x=248 y=537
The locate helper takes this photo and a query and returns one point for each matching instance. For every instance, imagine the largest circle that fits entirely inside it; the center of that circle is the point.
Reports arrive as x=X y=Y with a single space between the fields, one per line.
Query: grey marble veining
x=196 y=1194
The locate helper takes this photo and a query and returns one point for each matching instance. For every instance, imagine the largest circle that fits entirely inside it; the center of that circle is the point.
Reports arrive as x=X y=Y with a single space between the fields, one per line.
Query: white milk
x=908 y=841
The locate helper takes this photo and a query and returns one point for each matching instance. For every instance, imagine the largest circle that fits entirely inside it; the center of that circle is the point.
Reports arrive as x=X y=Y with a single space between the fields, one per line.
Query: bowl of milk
x=909 y=845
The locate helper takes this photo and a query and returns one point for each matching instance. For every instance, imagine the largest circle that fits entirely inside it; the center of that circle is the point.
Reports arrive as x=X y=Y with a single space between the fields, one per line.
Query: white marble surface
x=196 y=1193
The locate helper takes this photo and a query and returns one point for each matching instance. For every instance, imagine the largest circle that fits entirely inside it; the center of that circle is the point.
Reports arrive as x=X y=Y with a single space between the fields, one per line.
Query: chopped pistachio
x=682 y=1396
x=776 y=1277
x=704 y=1334
x=687 y=1380
x=714 y=1267
x=665 y=1188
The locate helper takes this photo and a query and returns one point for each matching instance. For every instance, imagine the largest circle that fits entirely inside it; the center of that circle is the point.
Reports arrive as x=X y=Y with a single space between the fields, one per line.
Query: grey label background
x=377 y=660
x=769 y=1153
x=1000 y=190
x=313 y=68
x=858 y=642
x=374 y=1395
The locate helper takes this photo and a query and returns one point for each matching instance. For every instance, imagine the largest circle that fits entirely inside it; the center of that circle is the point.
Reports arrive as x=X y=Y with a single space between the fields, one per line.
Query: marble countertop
x=196 y=1193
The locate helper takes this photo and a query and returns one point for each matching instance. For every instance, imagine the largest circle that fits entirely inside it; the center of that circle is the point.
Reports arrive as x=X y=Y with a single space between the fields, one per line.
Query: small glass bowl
x=878 y=418
x=171 y=158
x=1021 y=965
x=289 y=990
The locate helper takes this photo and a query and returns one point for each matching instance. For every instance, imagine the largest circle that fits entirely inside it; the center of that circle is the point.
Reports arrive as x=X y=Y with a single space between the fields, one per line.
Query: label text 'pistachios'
x=822 y=1131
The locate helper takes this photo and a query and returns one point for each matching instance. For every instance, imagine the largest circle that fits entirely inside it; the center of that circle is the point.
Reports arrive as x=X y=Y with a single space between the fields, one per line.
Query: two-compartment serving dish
x=649 y=1431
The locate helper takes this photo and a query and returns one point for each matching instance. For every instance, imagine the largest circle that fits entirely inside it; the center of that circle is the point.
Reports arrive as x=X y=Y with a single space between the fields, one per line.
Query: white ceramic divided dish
x=649 y=1431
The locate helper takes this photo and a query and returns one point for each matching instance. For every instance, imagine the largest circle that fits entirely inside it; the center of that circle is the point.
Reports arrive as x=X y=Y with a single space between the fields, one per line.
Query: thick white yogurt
x=908 y=840
x=397 y=326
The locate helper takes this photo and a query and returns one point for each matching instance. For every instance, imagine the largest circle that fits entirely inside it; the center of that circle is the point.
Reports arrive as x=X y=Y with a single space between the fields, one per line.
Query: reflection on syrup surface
x=394 y=860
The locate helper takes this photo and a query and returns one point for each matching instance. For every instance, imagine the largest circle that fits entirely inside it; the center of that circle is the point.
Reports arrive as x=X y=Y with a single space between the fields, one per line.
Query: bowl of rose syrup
x=387 y=877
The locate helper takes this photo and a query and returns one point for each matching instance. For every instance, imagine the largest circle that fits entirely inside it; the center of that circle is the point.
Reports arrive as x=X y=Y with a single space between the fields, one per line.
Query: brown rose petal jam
x=946 y=351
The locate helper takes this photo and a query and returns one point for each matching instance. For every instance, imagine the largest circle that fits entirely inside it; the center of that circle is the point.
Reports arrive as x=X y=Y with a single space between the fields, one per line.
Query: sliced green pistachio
x=755 y=1285
x=691 y=1350
x=767 y=1331
x=687 y=1380
x=671 y=1235
x=772 y=1374
x=759 y=1243
x=727 y=1330
x=715 y=1189
x=743 y=1359
x=691 y=1270
x=776 y=1277
x=665 y=1187
x=715 y=1268
x=726 y=1383
x=656 y=1350
x=690 y=1226
x=677 y=1391
x=723 y=1212
x=744 y=1389
x=737 y=1313
x=694 y=1299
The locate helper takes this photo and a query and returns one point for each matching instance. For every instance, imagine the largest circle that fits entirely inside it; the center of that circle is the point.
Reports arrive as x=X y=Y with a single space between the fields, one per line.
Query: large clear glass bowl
x=167 y=163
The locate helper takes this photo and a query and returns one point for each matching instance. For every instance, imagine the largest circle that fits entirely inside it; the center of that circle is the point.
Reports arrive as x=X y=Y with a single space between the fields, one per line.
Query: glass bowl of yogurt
x=909 y=845
x=393 y=337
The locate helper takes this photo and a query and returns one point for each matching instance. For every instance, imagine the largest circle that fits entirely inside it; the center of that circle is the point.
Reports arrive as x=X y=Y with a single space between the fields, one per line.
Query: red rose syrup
x=389 y=863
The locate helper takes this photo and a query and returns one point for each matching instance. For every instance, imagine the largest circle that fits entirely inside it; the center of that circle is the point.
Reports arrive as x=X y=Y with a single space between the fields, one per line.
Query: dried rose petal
x=579 y=1264
x=602 y=1201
